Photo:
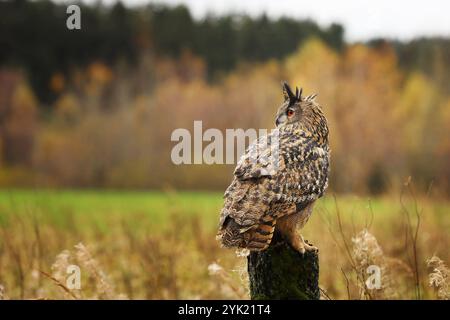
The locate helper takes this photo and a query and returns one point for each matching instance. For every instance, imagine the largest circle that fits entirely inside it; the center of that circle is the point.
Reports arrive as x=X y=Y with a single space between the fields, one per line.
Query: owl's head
x=302 y=111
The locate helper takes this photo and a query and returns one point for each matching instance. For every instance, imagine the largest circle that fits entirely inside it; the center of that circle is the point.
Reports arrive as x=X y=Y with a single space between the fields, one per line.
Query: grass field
x=154 y=245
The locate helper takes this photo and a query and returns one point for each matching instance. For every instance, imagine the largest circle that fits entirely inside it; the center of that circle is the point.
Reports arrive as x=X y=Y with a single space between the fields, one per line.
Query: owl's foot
x=301 y=245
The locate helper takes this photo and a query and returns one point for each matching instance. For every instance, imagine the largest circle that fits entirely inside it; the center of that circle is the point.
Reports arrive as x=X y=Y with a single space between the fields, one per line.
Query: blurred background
x=86 y=117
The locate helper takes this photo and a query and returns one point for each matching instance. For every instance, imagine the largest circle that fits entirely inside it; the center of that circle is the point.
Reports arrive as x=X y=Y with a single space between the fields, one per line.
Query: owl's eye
x=290 y=113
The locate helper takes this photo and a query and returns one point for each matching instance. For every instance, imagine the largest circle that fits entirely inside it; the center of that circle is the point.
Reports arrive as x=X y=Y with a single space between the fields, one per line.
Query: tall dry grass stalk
x=3 y=295
x=91 y=273
x=439 y=277
x=412 y=232
x=104 y=289
x=367 y=252
x=363 y=253
x=228 y=284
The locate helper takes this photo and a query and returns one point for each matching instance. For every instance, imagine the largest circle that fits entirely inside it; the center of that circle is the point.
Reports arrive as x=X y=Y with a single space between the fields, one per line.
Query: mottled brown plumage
x=278 y=179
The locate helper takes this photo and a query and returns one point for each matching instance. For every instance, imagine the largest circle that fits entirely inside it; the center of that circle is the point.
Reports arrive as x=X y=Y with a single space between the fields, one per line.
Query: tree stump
x=282 y=273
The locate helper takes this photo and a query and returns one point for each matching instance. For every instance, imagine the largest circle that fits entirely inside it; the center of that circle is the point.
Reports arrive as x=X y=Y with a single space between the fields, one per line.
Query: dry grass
x=439 y=277
x=173 y=254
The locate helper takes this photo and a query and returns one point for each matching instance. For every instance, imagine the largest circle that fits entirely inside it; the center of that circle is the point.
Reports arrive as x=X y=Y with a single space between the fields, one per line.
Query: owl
x=278 y=179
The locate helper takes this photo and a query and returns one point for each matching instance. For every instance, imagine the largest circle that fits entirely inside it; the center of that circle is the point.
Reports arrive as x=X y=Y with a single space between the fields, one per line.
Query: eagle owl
x=277 y=193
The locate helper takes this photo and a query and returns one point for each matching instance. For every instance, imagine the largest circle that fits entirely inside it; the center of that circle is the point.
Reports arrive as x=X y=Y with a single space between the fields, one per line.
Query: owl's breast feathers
x=279 y=173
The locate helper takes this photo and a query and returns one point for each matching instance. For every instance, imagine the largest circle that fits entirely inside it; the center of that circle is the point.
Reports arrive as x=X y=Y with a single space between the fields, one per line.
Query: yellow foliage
x=23 y=111
x=23 y=100
x=313 y=66
x=417 y=99
x=68 y=106
x=98 y=76
x=57 y=82
x=100 y=73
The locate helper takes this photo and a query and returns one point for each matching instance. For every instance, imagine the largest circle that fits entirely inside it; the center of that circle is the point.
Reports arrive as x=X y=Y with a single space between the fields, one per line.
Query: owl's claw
x=309 y=247
x=302 y=250
x=302 y=246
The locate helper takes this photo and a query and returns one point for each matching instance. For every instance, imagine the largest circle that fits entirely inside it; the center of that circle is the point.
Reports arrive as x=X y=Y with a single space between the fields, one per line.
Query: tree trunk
x=280 y=272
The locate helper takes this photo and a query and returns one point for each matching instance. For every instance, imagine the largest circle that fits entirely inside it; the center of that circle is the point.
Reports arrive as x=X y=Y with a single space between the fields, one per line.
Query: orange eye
x=290 y=113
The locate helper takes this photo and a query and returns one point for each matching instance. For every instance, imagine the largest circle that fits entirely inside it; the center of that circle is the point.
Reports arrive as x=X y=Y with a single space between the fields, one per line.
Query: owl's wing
x=261 y=159
x=266 y=188
x=289 y=166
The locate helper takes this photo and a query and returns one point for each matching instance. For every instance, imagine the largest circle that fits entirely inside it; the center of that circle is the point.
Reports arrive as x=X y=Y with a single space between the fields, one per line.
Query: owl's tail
x=254 y=238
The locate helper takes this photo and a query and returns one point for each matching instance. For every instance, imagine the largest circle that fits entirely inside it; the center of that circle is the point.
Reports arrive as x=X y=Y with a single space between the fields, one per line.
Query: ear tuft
x=312 y=97
x=298 y=94
x=289 y=95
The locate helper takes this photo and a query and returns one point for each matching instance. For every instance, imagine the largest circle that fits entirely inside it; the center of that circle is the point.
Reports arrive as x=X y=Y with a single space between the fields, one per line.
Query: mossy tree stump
x=282 y=273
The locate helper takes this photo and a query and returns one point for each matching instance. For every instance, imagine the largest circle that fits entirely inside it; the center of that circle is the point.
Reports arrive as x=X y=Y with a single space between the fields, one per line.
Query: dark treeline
x=33 y=36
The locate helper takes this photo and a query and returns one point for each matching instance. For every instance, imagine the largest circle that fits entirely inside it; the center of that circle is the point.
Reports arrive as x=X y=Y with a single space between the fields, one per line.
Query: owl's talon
x=311 y=248
x=302 y=246
x=298 y=244
x=302 y=250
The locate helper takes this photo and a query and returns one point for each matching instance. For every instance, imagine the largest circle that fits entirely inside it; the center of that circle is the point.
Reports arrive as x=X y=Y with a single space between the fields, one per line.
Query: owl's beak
x=282 y=118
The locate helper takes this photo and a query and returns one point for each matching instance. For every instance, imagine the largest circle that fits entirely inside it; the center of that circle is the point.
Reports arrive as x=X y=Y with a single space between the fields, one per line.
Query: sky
x=362 y=19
